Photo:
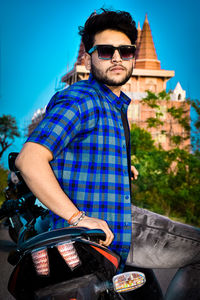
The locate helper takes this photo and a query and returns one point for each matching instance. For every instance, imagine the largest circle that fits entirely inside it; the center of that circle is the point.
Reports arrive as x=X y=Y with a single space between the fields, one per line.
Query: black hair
x=107 y=19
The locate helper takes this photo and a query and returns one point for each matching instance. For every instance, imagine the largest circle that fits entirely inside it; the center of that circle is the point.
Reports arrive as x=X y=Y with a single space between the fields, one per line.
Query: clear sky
x=40 y=42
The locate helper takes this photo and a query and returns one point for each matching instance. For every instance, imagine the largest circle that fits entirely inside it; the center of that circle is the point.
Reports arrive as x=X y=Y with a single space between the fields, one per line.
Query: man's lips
x=117 y=68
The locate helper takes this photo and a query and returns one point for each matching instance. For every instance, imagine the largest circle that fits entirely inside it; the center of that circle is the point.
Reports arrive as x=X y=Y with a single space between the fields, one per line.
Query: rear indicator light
x=41 y=262
x=69 y=254
x=128 y=281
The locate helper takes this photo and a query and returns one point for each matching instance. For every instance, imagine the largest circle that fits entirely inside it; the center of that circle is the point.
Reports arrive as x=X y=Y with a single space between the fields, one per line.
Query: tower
x=147 y=75
x=146 y=56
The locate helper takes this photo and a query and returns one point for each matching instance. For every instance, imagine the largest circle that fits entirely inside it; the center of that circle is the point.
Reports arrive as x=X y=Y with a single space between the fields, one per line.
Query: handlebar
x=56 y=235
x=10 y=206
x=51 y=238
x=95 y=233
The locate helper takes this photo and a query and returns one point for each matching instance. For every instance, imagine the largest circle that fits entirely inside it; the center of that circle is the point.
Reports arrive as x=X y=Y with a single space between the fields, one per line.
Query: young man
x=77 y=161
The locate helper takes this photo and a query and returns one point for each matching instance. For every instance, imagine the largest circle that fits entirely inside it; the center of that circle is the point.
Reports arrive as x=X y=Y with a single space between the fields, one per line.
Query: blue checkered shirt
x=84 y=131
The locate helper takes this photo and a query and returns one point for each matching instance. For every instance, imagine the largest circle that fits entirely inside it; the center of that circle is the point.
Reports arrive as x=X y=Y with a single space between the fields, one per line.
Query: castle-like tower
x=147 y=75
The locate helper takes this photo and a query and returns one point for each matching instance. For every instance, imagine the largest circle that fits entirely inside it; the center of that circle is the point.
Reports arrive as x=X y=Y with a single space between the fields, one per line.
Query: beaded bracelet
x=73 y=222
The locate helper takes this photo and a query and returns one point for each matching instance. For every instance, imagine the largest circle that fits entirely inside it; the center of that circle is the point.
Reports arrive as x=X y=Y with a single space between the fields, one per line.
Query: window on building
x=179 y=97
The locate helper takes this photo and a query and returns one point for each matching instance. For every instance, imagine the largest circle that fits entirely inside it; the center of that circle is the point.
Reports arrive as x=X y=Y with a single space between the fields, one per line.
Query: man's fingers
x=94 y=223
x=109 y=238
x=108 y=232
x=134 y=173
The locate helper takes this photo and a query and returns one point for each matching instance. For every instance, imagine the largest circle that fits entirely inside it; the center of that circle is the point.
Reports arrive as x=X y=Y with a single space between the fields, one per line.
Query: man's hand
x=134 y=173
x=94 y=223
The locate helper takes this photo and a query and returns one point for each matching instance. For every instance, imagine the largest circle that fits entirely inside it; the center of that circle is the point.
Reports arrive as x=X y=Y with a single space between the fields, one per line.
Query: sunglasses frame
x=96 y=47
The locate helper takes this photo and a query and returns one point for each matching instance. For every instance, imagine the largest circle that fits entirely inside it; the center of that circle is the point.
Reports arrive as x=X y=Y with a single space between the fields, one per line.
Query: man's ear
x=87 y=61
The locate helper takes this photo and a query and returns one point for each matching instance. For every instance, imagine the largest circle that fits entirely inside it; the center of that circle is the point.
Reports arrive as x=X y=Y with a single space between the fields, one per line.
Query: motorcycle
x=20 y=205
x=69 y=263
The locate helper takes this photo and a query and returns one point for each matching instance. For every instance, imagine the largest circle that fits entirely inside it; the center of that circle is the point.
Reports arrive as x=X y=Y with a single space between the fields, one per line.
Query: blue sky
x=40 y=42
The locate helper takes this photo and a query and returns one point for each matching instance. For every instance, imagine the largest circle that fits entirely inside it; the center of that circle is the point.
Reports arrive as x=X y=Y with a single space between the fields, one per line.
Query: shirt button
x=127 y=197
x=124 y=146
x=121 y=125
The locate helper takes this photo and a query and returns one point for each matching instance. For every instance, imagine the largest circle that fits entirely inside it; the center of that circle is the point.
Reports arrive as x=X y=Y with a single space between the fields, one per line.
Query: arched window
x=179 y=96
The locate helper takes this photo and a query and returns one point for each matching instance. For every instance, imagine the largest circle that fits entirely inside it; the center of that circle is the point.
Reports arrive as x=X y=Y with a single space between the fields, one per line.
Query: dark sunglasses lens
x=127 y=52
x=105 y=52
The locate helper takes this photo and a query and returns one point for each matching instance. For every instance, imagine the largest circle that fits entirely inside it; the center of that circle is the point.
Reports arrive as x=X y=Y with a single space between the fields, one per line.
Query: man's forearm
x=34 y=166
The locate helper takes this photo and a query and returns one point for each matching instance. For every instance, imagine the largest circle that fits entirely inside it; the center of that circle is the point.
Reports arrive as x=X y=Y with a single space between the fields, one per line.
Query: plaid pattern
x=84 y=131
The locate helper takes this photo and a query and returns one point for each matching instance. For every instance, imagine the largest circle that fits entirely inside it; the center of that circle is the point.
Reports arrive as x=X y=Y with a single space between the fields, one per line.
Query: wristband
x=78 y=213
x=75 y=222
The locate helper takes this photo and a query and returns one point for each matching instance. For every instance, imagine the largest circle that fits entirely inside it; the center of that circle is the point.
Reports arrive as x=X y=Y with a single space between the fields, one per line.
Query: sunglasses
x=126 y=52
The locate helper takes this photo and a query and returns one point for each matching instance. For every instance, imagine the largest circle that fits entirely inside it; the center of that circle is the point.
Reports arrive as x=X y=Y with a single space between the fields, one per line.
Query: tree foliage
x=178 y=114
x=8 y=131
x=3 y=183
x=141 y=140
x=169 y=181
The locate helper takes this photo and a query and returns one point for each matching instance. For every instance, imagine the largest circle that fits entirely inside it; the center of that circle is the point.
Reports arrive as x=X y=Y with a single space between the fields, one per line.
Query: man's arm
x=33 y=163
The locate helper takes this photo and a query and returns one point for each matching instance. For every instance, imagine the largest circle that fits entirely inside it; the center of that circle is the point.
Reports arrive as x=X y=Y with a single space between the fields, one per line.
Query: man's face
x=113 y=72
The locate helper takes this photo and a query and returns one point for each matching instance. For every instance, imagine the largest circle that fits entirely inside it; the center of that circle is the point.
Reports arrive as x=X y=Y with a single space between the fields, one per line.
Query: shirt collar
x=120 y=102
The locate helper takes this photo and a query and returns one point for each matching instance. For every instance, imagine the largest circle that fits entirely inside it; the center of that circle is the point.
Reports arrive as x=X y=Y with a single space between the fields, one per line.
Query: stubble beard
x=103 y=77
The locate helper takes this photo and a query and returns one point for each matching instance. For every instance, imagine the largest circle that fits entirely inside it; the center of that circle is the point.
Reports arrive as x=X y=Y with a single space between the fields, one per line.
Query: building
x=37 y=117
x=147 y=75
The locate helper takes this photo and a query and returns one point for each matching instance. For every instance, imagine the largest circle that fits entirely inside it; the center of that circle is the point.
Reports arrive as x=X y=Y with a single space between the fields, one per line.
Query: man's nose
x=116 y=56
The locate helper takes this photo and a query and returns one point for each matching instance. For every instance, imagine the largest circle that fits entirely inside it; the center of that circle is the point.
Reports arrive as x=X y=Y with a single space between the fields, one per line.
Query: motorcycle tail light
x=69 y=254
x=41 y=262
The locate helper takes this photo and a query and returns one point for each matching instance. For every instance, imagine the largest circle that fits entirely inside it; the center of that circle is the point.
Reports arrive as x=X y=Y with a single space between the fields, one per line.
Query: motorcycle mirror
x=128 y=281
x=11 y=161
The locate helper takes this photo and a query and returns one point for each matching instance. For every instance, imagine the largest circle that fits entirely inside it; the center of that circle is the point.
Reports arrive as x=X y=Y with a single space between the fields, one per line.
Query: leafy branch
x=8 y=131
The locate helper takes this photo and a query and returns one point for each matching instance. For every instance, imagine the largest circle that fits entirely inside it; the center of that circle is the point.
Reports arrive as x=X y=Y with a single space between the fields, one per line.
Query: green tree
x=8 y=131
x=169 y=181
x=141 y=140
x=152 y=100
x=179 y=114
x=184 y=181
x=3 y=183
x=152 y=166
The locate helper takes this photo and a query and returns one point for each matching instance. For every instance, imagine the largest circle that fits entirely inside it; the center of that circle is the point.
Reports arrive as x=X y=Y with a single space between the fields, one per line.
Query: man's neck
x=115 y=89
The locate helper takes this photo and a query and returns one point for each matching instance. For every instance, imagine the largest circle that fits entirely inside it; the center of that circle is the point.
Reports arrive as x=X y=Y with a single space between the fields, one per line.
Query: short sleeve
x=65 y=119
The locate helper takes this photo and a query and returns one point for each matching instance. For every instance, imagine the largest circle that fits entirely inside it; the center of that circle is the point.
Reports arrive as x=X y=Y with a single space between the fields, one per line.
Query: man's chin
x=111 y=79
x=114 y=82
